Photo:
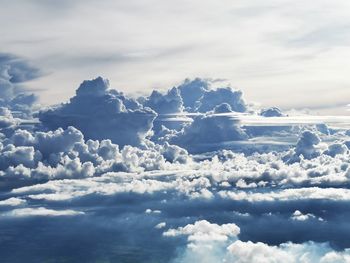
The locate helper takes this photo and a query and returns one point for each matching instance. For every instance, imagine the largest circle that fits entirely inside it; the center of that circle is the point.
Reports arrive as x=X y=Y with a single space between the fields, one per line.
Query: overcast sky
x=286 y=53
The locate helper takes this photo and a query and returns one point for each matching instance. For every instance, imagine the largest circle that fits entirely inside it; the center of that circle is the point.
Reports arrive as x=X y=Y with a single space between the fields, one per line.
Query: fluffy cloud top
x=204 y=231
x=218 y=96
x=192 y=92
x=218 y=243
x=271 y=112
x=306 y=145
x=199 y=95
x=245 y=252
x=171 y=102
x=101 y=114
x=6 y=118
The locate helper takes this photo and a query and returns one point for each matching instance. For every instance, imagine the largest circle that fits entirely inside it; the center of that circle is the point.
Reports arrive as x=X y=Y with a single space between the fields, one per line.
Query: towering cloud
x=200 y=96
x=218 y=96
x=192 y=92
x=101 y=113
x=306 y=145
x=171 y=102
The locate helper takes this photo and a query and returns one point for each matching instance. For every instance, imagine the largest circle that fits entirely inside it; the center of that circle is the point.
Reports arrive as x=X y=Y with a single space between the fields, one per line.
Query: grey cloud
x=101 y=114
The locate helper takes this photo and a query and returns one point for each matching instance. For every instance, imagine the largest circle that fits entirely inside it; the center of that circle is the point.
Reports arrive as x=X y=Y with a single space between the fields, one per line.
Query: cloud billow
x=101 y=114
x=113 y=174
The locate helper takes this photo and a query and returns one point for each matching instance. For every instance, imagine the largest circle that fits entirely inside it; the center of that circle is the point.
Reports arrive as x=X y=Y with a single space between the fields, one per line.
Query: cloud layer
x=183 y=175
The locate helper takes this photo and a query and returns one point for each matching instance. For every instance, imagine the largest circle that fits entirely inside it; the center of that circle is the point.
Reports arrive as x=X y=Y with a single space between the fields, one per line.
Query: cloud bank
x=183 y=175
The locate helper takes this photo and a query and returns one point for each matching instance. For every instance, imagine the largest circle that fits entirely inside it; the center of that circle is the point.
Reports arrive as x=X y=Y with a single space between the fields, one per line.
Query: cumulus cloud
x=297 y=215
x=205 y=240
x=290 y=195
x=192 y=201
x=192 y=91
x=65 y=153
x=204 y=231
x=51 y=142
x=109 y=166
x=13 y=72
x=219 y=243
x=306 y=145
x=171 y=102
x=207 y=132
x=271 y=112
x=199 y=95
x=336 y=148
x=101 y=114
x=165 y=105
x=218 y=96
x=6 y=119
x=244 y=252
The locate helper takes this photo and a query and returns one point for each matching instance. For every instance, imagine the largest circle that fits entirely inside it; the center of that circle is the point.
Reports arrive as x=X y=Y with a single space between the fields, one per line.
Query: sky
x=290 y=54
x=174 y=132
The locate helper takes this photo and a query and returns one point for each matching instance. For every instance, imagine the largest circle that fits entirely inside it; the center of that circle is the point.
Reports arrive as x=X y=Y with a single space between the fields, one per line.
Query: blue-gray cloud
x=167 y=176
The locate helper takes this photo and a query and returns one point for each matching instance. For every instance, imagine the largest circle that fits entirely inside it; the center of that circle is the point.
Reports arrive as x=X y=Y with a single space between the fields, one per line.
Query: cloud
x=336 y=148
x=244 y=252
x=215 y=243
x=51 y=142
x=13 y=72
x=40 y=211
x=207 y=132
x=204 y=231
x=218 y=96
x=188 y=198
x=271 y=112
x=307 y=147
x=17 y=70
x=192 y=91
x=171 y=102
x=205 y=240
x=192 y=203
x=6 y=118
x=160 y=225
x=297 y=215
x=197 y=95
x=13 y=201
x=332 y=194
x=14 y=156
x=102 y=114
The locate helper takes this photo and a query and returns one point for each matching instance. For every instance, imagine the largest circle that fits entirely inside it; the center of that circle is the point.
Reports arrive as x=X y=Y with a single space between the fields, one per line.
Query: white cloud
x=297 y=215
x=139 y=190
x=204 y=231
x=219 y=243
x=13 y=201
x=41 y=211
x=316 y=193
x=244 y=252
x=160 y=225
